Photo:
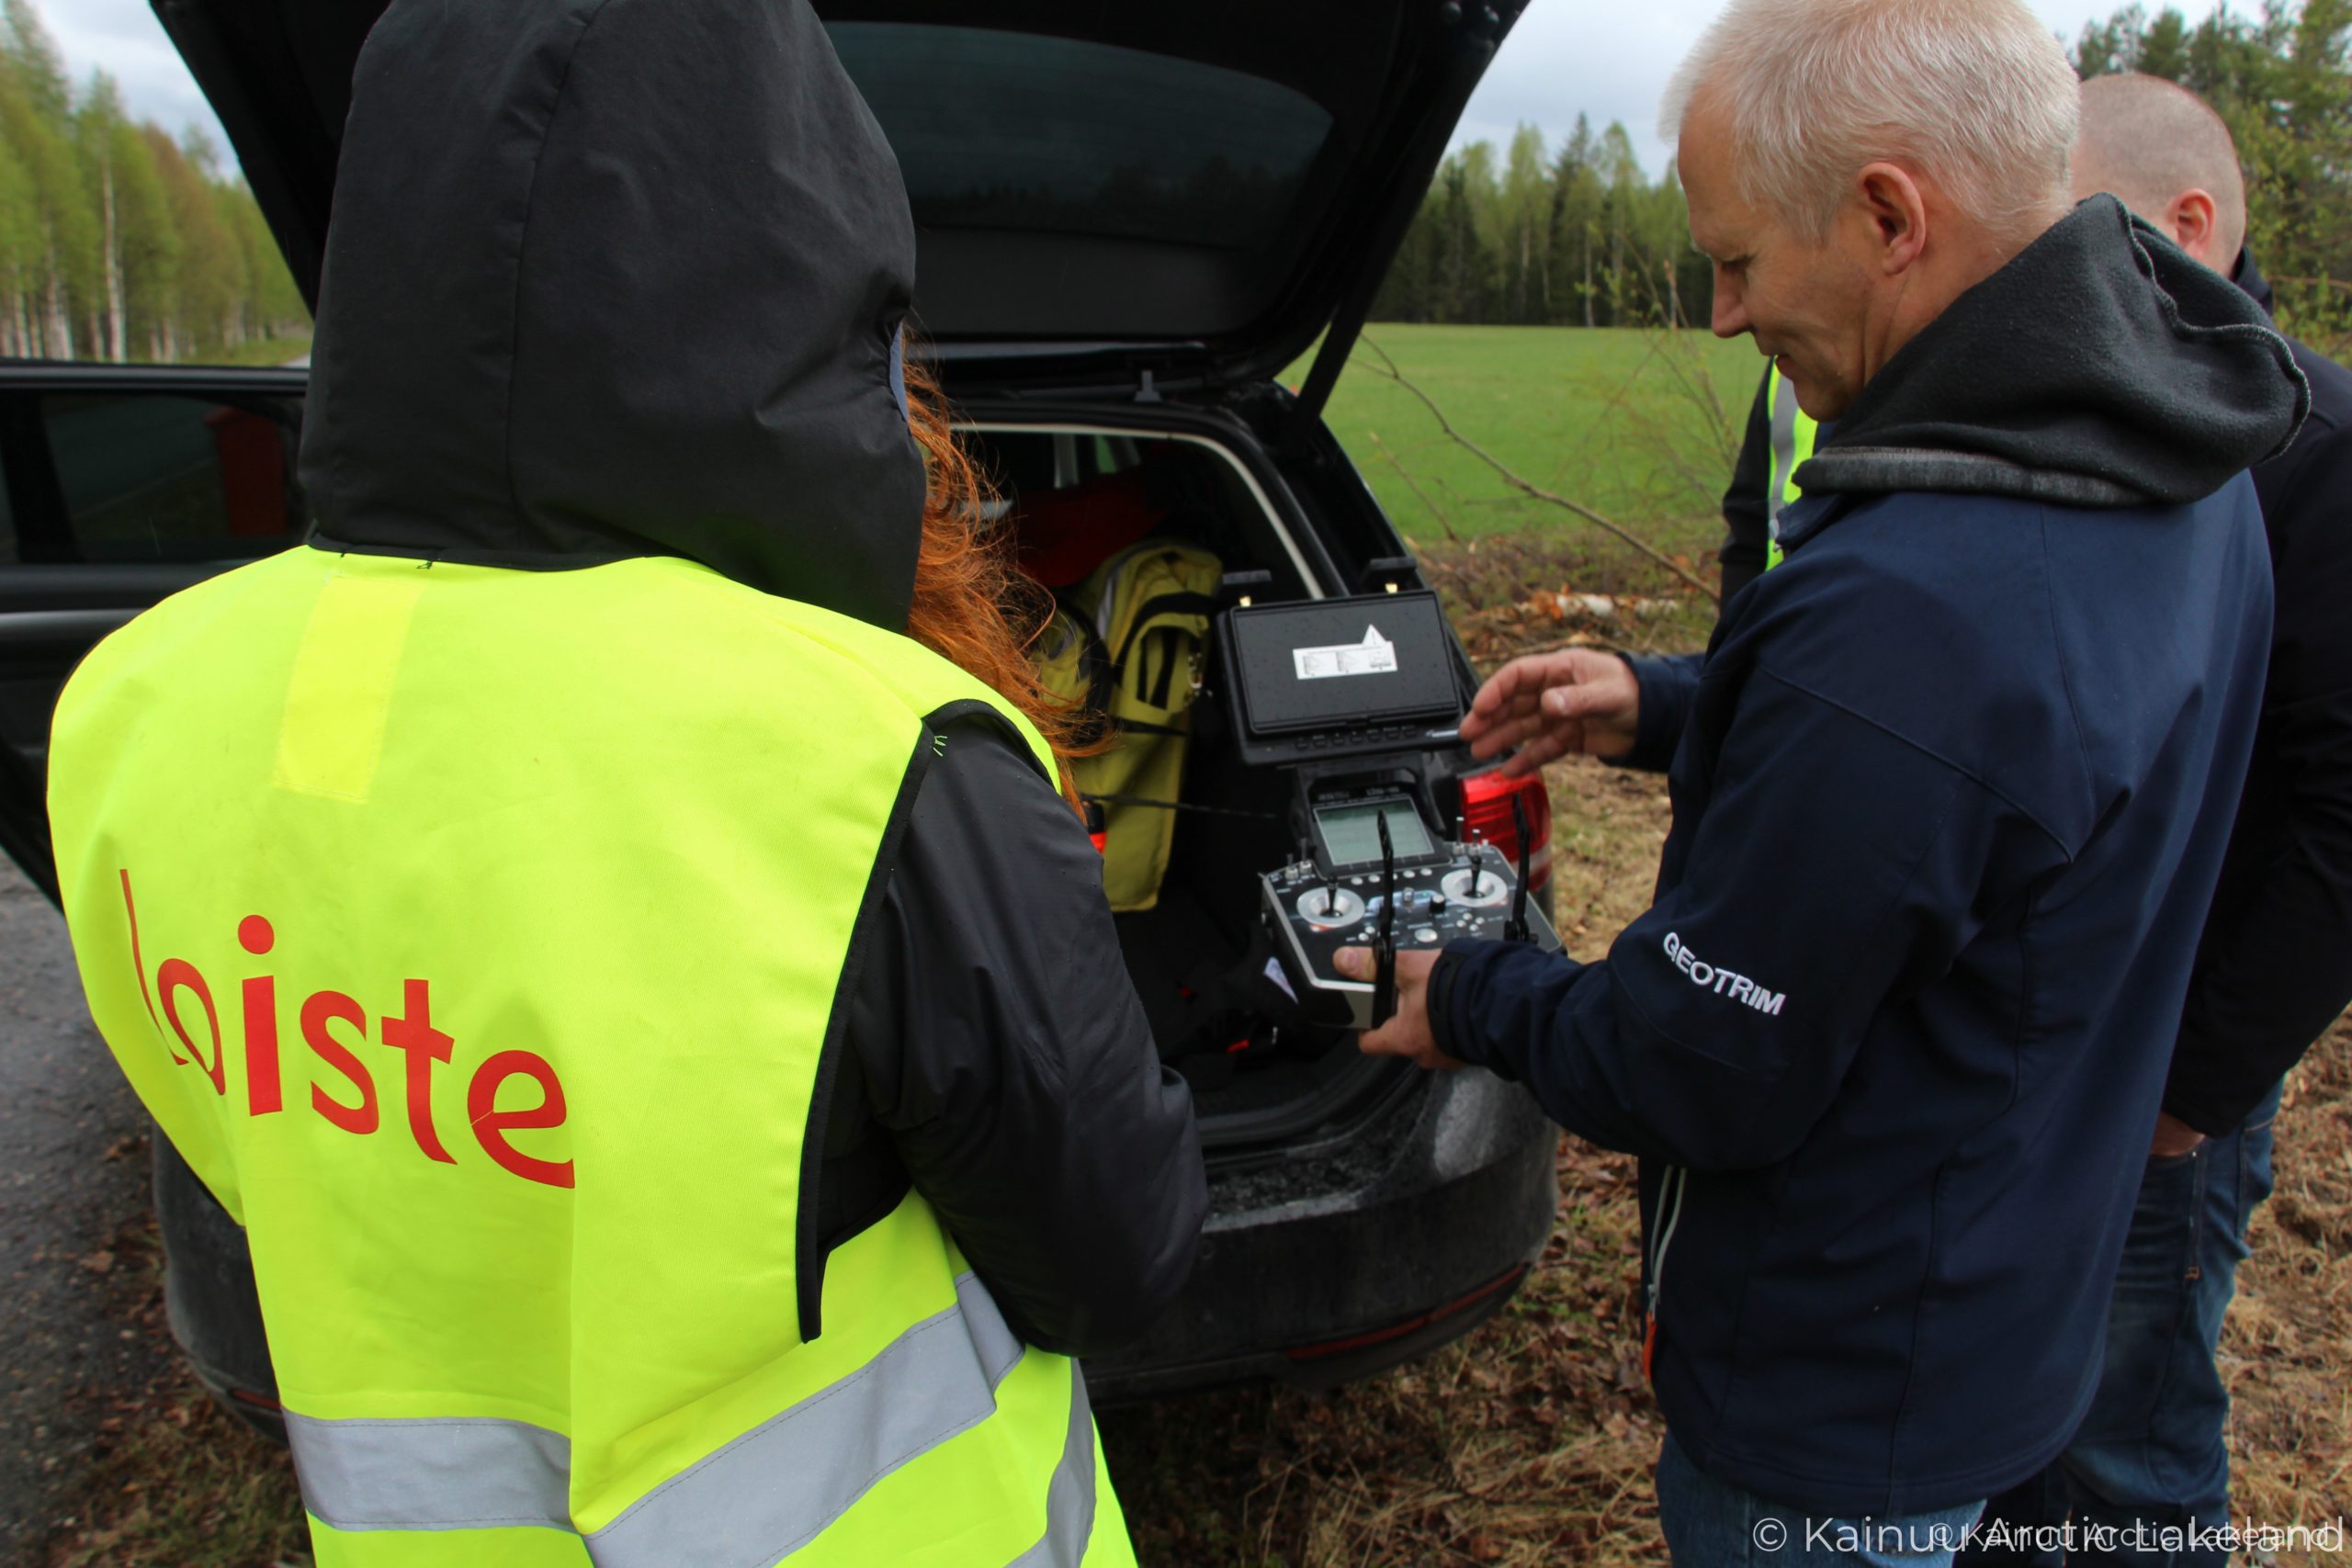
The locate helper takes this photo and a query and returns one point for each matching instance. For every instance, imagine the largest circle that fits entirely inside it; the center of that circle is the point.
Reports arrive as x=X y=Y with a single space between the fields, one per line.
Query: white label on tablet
x=1375 y=655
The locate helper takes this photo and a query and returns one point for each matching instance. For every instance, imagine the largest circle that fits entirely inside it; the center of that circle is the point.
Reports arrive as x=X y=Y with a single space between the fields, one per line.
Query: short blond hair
x=1976 y=93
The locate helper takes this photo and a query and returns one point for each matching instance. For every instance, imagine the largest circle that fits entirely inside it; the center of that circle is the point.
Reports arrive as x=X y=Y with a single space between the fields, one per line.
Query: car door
x=118 y=488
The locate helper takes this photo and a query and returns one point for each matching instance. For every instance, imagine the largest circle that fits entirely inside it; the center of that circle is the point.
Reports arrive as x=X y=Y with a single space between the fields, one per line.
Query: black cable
x=1181 y=805
x=1515 y=928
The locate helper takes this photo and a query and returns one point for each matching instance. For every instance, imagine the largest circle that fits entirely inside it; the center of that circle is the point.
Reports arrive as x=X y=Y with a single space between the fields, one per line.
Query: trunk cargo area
x=1265 y=1079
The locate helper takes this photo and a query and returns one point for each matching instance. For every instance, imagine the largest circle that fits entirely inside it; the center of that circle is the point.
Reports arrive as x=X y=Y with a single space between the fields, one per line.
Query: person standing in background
x=2274 y=966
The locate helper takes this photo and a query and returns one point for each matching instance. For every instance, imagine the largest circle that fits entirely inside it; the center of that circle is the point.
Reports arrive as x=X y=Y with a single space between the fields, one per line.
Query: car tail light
x=1485 y=816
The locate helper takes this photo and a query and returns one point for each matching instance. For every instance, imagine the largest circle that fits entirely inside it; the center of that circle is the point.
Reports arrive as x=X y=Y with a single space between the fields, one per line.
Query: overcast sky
x=1610 y=60
x=1606 y=58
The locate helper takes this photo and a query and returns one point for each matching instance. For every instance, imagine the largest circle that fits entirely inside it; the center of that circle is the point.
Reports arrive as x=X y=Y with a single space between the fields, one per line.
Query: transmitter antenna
x=1516 y=931
x=1384 y=946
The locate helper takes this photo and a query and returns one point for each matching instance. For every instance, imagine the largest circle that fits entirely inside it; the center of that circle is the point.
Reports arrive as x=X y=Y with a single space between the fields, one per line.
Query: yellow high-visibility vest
x=478 y=935
x=1793 y=432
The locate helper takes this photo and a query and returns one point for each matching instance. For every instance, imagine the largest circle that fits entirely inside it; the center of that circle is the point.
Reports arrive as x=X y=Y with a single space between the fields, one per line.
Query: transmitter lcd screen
x=1352 y=833
x=1335 y=664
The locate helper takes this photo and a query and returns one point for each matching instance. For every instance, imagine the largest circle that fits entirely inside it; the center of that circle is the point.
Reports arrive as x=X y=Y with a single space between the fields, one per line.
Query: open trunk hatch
x=1197 y=189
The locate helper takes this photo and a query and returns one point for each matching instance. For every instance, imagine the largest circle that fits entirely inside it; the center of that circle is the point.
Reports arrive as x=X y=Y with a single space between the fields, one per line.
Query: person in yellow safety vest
x=620 y=976
x=1780 y=440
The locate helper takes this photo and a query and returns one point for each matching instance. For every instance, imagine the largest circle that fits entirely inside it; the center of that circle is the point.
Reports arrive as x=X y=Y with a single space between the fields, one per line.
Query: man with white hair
x=2274 y=967
x=1950 y=797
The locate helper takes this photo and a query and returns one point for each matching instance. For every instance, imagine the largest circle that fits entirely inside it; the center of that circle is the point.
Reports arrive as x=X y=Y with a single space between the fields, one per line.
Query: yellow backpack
x=1128 y=643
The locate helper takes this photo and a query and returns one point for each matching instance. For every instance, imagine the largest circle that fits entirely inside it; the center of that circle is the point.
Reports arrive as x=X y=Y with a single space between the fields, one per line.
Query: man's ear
x=2189 y=218
x=1897 y=212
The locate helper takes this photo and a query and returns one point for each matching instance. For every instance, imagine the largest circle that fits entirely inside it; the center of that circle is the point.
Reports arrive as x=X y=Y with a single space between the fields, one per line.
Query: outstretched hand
x=1544 y=707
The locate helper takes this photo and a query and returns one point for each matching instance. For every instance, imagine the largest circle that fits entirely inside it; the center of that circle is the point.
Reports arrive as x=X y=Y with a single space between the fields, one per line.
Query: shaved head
x=2148 y=140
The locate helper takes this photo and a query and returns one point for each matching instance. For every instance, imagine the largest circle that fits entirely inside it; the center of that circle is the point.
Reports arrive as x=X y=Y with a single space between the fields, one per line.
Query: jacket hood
x=2100 y=368
x=610 y=278
x=2250 y=282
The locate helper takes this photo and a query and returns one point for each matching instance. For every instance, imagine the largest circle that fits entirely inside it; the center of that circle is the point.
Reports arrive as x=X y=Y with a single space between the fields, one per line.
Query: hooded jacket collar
x=611 y=279
x=2250 y=281
x=2100 y=368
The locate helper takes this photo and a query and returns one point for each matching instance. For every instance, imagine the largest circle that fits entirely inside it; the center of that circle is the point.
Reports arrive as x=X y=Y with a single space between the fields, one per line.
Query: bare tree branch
x=1387 y=367
x=1414 y=485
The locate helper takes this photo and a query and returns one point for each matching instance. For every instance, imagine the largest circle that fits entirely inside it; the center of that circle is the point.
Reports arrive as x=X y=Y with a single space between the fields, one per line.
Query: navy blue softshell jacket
x=1950 y=797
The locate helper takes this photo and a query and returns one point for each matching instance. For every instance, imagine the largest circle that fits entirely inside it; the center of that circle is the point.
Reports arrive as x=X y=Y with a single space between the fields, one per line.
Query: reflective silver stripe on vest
x=775 y=1488
x=757 y=1500
x=1069 y=1502
x=1784 y=449
x=438 y=1473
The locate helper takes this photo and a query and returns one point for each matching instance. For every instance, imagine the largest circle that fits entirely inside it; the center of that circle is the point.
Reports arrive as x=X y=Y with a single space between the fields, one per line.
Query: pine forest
x=120 y=241
x=1577 y=234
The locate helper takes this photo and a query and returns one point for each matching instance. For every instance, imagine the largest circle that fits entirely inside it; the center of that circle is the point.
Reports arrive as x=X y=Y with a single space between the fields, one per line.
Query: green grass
x=1641 y=426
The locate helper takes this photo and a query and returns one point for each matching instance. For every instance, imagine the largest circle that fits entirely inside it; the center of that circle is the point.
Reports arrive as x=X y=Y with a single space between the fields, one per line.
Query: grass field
x=1641 y=426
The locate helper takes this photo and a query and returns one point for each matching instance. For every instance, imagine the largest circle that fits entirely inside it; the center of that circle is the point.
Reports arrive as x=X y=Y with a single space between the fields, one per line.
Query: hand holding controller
x=1394 y=915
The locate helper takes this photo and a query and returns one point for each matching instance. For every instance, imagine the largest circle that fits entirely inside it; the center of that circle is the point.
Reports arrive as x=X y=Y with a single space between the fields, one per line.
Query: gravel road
x=72 y=1183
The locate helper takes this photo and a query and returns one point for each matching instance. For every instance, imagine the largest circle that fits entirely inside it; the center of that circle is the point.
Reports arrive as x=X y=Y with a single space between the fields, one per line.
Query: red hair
x=972 y=605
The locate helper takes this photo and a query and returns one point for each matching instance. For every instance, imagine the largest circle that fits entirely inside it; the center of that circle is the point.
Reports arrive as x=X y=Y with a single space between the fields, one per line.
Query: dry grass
x=2288 y=1350
x=175 y=1483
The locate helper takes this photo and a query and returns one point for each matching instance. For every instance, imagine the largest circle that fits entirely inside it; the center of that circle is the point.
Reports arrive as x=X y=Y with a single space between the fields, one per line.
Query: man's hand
x=2174 y=1138
x=1549 y=704
x=1406 y=1035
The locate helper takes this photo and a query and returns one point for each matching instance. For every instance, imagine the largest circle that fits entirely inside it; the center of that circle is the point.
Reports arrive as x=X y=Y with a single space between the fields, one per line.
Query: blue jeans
x=2151 y=1457
x=1710 y=1523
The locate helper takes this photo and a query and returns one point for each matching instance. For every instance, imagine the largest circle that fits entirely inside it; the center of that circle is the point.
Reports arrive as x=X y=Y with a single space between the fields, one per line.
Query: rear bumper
x=1316 y=1284
x=1313 y=1272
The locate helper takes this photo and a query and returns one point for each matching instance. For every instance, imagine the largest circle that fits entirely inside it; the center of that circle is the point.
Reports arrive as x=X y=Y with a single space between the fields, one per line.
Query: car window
x=1000 y=130
x=139 y=477
x=1028 y=461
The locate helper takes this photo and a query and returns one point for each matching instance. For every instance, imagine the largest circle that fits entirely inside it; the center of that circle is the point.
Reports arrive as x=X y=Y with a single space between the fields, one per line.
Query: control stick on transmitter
x=1384 y=946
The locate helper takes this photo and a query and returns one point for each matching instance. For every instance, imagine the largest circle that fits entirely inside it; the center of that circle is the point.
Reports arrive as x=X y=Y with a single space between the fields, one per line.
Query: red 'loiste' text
x=354 y=1109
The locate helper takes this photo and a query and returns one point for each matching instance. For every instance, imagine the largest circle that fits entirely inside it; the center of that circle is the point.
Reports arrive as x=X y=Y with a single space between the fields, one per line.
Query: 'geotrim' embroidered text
x=1722 y=982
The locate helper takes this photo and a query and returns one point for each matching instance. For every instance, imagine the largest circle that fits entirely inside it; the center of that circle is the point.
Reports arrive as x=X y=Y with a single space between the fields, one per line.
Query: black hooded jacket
x=2275 y=966
x=611 y=279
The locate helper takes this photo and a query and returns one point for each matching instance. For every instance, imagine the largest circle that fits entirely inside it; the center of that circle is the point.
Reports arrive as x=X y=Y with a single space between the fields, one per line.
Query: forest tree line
x=118 y=240
x=2283 y=84
x=1578 y=236
x=1575 y=235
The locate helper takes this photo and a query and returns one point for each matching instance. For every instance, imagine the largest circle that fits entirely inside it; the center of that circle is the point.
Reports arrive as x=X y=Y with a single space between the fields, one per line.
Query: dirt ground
x=1532 y=1442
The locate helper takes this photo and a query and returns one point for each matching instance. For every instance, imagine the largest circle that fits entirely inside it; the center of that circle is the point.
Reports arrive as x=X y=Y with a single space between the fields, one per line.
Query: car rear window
x=997 y=130
x=141 y=475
